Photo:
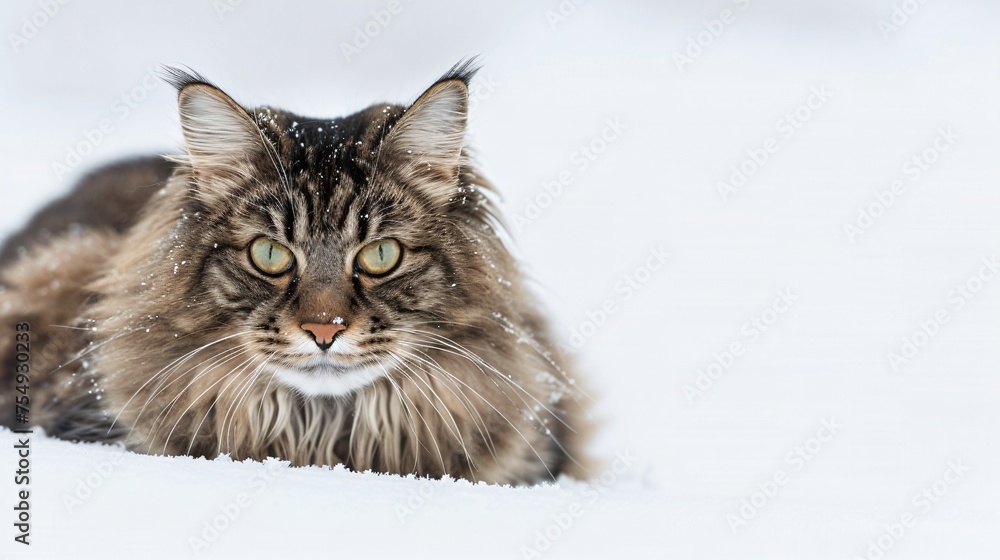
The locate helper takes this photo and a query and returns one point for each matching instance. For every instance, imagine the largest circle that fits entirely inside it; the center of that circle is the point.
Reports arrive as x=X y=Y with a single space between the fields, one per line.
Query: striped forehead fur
x=424 y=142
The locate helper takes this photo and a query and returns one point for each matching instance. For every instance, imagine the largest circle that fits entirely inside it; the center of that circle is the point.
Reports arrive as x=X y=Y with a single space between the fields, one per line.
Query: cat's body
x=323 y=291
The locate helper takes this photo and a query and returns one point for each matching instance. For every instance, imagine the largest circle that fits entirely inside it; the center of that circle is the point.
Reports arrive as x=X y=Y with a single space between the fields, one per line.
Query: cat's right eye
x=270 y=257
x=380 y=257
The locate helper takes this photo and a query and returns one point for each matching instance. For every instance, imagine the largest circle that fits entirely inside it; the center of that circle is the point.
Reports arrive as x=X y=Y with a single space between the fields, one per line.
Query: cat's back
x=109 y=198
x=45 y=269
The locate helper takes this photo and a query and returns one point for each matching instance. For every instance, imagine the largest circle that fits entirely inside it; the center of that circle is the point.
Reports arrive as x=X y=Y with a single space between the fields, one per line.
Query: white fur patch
x=330 y=382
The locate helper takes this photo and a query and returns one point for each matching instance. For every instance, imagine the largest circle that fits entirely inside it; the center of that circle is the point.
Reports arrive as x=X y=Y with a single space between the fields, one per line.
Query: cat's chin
x=327 y=380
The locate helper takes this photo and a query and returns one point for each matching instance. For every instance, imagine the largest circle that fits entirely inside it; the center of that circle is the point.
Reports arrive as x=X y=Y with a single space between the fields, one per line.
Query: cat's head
x=332 y=248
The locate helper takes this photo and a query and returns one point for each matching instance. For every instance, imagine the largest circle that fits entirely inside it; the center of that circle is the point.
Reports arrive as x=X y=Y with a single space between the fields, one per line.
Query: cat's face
x=331 y=249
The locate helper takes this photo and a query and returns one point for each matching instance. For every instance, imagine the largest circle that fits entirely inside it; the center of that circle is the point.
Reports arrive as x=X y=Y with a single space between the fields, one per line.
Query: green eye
x=379 y=257
x=270 y=257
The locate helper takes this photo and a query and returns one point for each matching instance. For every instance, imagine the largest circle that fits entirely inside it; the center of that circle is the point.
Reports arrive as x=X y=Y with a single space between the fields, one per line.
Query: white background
x=555 y=83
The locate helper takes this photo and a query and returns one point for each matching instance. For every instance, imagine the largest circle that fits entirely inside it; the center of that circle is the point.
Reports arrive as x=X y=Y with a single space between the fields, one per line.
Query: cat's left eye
x=270 y=257
x=380 y=257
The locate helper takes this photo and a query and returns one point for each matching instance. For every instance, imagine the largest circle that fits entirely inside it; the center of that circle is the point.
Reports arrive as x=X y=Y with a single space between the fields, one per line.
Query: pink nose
x=323 y=333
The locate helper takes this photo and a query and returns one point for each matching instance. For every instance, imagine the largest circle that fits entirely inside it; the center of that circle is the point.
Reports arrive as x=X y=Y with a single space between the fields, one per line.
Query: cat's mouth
x=326 y=376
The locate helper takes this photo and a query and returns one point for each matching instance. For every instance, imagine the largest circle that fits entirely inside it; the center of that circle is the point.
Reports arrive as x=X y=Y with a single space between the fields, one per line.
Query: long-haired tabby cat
x=324 y=291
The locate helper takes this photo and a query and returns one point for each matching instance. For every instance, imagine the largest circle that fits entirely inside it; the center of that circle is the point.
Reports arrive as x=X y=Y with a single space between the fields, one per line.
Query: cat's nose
x=324 y=333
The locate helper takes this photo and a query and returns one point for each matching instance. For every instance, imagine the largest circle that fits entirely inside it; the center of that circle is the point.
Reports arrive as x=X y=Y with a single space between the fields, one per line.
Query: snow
x=647 y=268
x=109 y=503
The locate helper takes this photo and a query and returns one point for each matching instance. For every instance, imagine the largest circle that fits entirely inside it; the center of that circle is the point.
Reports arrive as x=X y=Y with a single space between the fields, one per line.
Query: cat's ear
x=220 y=136
x=428 y=140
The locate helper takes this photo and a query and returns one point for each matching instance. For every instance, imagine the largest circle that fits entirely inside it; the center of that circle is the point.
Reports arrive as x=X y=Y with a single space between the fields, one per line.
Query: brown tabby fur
x=149 y=324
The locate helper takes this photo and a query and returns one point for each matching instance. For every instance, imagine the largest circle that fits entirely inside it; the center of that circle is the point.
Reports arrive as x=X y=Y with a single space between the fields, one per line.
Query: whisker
x=513 y=427
x=217 y=359
x=409 y=417
x=506 y=378
x=157 y=374
x=475 y=358
x=222 y=356
x=473 y=412
x=197 y=400
x=416 y=409
x=245 y=391
x=457 y=432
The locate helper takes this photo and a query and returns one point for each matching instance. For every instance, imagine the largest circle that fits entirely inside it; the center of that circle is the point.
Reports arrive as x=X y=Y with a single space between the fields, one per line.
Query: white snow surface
x=814 y=402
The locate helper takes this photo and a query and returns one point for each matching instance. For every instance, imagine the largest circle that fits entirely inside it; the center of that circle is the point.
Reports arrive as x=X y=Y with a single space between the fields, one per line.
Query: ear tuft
x=464 y=70
x=430 y=136
x=181 y=77
x=219 y=134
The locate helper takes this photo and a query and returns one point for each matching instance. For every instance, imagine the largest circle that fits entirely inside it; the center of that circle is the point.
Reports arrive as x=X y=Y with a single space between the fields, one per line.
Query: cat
x=323 y=291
